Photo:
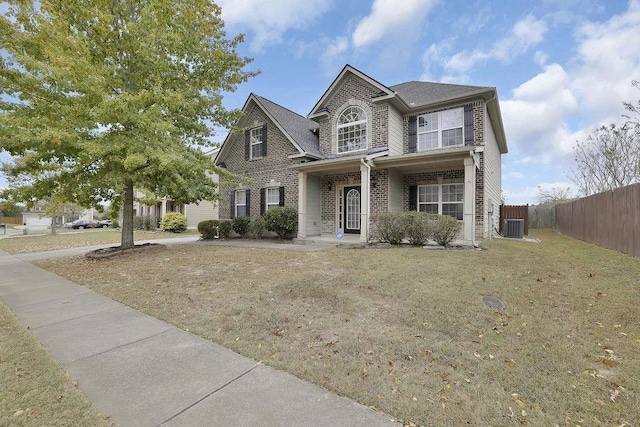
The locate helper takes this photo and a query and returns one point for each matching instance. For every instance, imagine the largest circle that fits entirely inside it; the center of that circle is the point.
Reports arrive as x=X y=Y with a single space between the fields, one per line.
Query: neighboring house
x=38 y=216
x=366 y=148
x=194 y=212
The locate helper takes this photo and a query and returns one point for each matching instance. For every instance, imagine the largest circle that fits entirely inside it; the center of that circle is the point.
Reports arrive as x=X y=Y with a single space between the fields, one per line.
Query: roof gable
x=296 y=128
x=346 y=71
x=299 y=129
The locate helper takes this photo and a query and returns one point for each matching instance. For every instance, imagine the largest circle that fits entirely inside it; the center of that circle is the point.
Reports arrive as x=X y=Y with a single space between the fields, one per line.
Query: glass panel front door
x=352 y=209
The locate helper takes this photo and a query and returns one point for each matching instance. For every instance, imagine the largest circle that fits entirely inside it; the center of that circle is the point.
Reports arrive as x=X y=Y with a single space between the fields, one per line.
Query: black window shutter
x=468 y=125
x=232 y=197
x=413 y=197
x=413 y=134
x=247 y=144
x=263 y=200
x=281 y=196
x=264 y=140
x=248 y=203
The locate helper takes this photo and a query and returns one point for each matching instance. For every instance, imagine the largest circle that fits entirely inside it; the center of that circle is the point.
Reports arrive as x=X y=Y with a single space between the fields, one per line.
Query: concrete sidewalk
x=144 y=372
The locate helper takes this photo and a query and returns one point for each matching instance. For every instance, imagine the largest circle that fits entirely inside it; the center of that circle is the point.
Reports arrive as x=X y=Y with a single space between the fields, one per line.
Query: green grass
x=404 y=330
x=34 y=391
x=72 y=239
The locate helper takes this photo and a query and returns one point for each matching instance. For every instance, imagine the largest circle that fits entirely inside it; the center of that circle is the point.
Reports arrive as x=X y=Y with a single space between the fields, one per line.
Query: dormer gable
x=253 y=128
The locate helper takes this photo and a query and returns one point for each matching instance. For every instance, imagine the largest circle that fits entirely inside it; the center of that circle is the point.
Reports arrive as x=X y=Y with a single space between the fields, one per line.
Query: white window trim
x=439 y=130
x=255 y=142
x=351 y=124
x=439 y=203
x=236 y=204
x=268 y=205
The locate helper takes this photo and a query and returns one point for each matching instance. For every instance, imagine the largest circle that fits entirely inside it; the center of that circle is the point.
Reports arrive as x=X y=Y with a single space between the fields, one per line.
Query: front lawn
x=72 y=239
x=34 y=391
x=405 y=331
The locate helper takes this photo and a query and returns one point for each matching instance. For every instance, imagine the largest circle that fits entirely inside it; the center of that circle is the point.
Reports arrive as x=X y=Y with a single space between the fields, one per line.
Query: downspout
x=364 y=161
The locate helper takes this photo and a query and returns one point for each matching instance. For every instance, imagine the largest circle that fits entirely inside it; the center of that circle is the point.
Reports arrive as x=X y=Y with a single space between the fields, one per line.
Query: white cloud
x=389 y=16
x=608 y=60
x=525 y=34
x=515 y=175
x=268 y=20
x=538 y=117
x=535 y=117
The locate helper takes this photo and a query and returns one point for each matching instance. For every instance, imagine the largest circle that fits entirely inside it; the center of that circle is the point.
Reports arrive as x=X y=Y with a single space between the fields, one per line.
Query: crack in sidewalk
x=210 y=394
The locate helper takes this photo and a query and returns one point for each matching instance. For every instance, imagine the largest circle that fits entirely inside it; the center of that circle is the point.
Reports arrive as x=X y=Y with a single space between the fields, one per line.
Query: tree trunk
x=53 y=224
x=127 y=217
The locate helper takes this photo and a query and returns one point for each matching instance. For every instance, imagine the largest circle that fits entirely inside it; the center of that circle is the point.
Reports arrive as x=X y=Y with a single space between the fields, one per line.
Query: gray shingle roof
x=298 y=127
x=416 y=94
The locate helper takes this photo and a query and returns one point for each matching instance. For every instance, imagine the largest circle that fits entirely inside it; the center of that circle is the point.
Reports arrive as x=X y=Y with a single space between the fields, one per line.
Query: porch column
x=302 y=205
x=364 y=203
x=469 y=217
x=163 y=207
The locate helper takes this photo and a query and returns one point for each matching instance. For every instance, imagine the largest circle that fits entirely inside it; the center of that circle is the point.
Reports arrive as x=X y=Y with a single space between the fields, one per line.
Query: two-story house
x=366 y=148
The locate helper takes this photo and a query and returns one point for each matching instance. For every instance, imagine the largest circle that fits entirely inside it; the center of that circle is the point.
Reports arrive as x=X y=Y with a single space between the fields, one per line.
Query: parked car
x=104 y=223
x=84 y=223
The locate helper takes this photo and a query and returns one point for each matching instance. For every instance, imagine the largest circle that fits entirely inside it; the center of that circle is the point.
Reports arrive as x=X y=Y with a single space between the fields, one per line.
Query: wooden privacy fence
x=514 y=212
x=610 y=219
x=17 y=220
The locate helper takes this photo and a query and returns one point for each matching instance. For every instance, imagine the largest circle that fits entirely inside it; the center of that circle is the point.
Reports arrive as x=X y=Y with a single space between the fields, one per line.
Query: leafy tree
x=104 y=95
x=9 y=208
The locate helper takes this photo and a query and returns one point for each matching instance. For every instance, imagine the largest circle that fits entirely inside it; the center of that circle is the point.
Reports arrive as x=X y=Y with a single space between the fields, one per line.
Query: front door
x=351 y=208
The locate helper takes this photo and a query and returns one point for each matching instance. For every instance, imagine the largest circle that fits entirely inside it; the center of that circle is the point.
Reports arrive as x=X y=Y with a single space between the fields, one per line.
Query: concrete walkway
x=144 y=372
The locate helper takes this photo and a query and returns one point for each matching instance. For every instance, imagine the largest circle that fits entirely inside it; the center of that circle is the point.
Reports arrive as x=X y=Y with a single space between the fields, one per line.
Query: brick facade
x=269 y=171
x=273 y=170
x=354 y=92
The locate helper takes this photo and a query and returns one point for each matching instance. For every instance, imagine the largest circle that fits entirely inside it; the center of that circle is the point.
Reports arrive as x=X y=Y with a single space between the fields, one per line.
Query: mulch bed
x=117 y=251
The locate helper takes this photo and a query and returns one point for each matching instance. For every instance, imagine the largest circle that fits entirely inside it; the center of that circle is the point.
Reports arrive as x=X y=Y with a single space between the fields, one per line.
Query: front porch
x=339 y=198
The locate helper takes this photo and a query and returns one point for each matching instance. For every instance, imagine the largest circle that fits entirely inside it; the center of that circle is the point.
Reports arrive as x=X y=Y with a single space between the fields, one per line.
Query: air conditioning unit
x=514 y=228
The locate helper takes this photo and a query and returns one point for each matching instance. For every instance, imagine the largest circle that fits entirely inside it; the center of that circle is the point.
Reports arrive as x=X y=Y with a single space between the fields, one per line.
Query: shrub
x=208 y=229
x=225 y=228
x=146 y=222
x=258 y=227
x=115 y=223
x=174 y=222
x=138 y=223
x=282 y=220
x=388 y=228
x=240 y=225
x=418 y=227
x=446 y=228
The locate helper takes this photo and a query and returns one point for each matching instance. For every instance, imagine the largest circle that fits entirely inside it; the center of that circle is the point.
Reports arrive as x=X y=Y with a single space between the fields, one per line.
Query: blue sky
x=561 y=67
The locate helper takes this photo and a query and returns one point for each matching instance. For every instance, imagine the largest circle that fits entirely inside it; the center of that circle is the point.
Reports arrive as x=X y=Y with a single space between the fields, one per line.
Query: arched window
x=352 y=130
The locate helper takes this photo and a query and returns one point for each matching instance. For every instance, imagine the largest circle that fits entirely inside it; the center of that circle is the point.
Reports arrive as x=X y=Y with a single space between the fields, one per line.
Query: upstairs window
x=255 y=143
x=352 y=130
x=440 y=130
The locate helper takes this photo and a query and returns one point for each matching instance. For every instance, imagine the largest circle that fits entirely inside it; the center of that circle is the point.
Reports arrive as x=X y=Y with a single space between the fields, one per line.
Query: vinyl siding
x=314 y=191
x=201 y=212
x=396 y=188
x=395 y=132
x=492 y=179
